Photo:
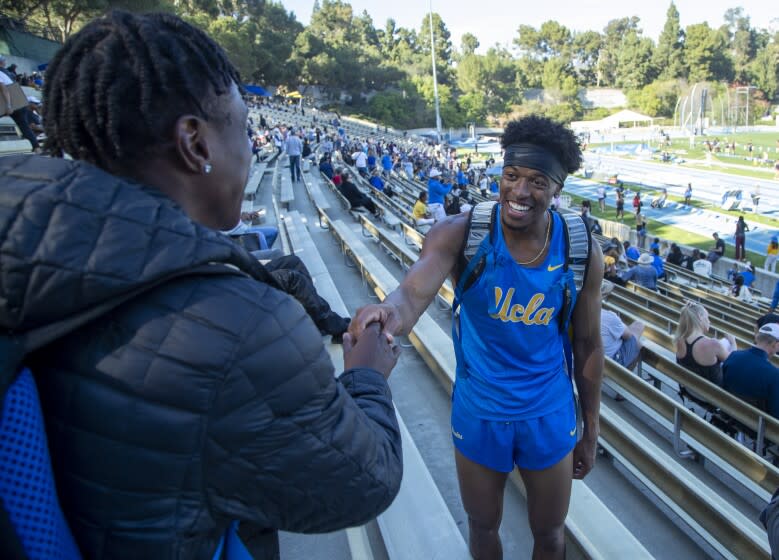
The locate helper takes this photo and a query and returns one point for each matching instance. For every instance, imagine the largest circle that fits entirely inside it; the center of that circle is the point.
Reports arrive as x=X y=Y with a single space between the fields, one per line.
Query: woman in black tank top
x=693 y=324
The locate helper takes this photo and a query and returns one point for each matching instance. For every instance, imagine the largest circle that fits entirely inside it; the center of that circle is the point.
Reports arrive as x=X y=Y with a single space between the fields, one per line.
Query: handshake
x=369 y=342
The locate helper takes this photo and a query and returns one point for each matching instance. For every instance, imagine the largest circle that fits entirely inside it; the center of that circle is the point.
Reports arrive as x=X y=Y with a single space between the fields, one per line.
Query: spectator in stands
x=741 y=236
x=21 y=115
x=740 y=291
x=326 y=167
x=357 y=199
x=266 y=235
x=750 y=375
x=718 y=251
x=422 y=216
x=772 y=252
x=621 y=342
x=696 y=351
x=644 y=274
x=657 y=262
x=386 y=165
x=209 y=396
x=338 y=177
x=361 y=162
x=509 y=356
x=610 y=272
x=631 y=252
x=748 y=273
x=655 y=244
x=436 y=193
x=378 y=183
x=294 y=148
x=675 y=255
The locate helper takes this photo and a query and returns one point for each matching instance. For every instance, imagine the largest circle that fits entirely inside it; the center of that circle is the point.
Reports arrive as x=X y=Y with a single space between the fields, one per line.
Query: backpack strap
x=578 y=240
x=480 y=227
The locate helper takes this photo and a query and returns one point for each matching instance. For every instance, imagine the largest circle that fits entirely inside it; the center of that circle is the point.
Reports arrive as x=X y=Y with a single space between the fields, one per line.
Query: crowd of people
x=210 y=359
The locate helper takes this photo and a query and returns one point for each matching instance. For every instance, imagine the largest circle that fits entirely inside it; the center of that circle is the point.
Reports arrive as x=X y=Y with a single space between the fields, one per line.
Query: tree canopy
x=385 y=69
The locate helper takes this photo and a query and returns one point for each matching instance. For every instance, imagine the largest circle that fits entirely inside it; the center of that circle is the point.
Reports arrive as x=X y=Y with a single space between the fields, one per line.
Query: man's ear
x=191 y=144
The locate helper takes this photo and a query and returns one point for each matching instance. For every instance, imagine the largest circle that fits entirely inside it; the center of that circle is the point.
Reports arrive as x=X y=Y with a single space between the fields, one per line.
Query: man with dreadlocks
x=522 y=274
x=204 y=394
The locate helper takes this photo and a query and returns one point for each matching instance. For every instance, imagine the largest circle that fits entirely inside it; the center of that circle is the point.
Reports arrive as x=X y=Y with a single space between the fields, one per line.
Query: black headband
x=535 y=157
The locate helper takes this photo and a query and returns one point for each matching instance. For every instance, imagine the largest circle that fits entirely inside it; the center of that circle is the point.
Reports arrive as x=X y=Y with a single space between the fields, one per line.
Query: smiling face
x=525 y=196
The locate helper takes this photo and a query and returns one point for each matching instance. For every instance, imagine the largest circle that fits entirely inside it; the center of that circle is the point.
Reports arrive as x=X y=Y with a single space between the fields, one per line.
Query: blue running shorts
x=533 y=444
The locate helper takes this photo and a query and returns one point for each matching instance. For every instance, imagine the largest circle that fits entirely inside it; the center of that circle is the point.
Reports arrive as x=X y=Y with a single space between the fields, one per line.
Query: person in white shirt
x=621 y=342
x=21 y=116
x=602 y=198
x=361 y=163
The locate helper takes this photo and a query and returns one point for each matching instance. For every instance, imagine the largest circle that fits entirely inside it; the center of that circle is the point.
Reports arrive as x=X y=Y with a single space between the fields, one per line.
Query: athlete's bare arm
x=588 y=362
x=401 y=309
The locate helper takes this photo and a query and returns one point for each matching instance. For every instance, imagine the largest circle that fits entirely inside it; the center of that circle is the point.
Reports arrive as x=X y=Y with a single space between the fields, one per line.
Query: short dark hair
x=116 y=88
x=544 y=132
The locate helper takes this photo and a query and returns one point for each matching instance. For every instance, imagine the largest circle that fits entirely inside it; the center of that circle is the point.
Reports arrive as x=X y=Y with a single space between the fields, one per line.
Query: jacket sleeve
x=291 y=446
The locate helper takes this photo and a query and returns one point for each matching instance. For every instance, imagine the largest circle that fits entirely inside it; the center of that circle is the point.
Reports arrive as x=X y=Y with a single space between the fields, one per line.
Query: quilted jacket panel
x=205 y=399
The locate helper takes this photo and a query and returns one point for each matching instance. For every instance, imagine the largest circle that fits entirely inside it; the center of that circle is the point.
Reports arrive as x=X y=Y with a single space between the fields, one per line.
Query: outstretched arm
x=588 y=362
x=401 y=309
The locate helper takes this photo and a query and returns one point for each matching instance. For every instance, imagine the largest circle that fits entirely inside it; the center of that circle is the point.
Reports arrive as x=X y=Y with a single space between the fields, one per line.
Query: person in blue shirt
x=657 y=262
x=436 y=194
x=386 y=165
x=748 y=275
x=513 y=402
x=631 y=252
x=375 y=181
x=749 y=374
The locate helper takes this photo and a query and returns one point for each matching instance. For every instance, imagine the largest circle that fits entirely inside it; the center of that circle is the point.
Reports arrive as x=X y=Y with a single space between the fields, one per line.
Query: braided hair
x=542 y=131
x=116 y=88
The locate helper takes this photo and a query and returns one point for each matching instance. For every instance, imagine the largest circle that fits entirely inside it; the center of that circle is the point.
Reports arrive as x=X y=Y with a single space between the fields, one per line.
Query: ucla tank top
x=513 y=365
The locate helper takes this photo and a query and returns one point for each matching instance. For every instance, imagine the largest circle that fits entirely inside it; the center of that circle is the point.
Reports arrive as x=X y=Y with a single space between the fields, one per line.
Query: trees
x=669 y=54
x=705 y=54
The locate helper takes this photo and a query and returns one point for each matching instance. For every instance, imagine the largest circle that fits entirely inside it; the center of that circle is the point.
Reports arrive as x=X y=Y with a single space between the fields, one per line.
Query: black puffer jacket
x=205 y=399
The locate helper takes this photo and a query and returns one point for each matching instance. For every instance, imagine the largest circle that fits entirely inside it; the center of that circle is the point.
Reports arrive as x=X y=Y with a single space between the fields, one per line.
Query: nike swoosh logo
x=572 y=432
x=551 y=268
x=457 y=434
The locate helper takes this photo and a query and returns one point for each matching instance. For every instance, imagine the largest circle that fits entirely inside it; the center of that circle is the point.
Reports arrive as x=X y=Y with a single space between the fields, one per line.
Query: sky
x=498 y=20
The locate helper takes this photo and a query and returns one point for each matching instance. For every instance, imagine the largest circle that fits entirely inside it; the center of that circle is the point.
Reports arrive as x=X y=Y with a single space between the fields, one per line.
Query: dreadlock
x=115 y=89
x=545 y=132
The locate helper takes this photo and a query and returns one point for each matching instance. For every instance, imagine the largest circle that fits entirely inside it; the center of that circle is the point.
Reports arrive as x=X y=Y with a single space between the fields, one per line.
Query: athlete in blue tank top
x=514 y=365
x=513 y=402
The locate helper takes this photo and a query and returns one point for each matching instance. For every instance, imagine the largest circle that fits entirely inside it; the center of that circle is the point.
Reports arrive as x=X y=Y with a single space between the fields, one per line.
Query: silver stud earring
x=207 y=168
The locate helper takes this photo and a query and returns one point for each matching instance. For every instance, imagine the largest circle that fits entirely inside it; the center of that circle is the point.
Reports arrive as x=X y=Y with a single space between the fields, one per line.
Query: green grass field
x=665 y=231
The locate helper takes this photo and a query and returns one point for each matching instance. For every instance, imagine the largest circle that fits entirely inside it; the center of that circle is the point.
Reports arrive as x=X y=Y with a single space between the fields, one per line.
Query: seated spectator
x=421 y=215
x=657 y=262
x=655 y=244
x=622 y=343
x=702 y=267
x=209 y=396
x=765 y=319
x=616 y=250
x=326 y=167
x=610 y=271
x=631 y=252
x=718 y=251
x=357 y=199
x=750 y=375
x=265 y=235
x=337 y=177
x=644 y=274
x=740 y=290
x=696 y=351
x=748 y=274
x=375 y=181
x=675 y=255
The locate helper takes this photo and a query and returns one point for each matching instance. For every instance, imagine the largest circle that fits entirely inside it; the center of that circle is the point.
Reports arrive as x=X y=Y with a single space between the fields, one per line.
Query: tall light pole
x=435 y=79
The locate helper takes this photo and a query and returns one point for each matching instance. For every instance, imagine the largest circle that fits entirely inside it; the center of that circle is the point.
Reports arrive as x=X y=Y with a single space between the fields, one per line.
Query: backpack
x=478 y=246
x=32 y=524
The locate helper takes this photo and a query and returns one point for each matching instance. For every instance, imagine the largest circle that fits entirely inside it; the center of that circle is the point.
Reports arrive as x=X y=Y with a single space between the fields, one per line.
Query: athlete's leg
x=548 y=494
x=481 y=490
